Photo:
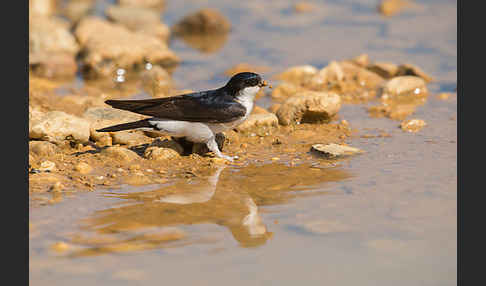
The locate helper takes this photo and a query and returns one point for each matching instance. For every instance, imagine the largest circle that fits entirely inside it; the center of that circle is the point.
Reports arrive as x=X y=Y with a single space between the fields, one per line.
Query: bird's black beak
x=264 y=83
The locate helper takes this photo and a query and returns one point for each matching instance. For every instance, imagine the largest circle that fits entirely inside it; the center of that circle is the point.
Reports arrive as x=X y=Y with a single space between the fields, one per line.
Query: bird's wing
x=196 y=107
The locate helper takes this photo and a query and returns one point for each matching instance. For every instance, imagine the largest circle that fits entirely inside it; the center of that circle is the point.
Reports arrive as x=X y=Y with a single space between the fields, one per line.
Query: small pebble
x=412 y=125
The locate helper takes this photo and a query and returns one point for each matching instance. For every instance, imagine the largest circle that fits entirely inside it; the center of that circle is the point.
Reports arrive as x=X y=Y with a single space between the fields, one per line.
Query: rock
x=274 y=108
x=332 y=151
x=384 y=69
x=204 y=21
x=108 y=47
x=139 y=19
x=391 y=7
x=100 y=117
x=83 y=168
x=404 y=86
x=444 y=95
x=362 y=60
x=157 y=81
x=327 y=75
x=205 y=43
x=285 y=90
x=157 y=153
x=52 y=65
x=60 y=246
x=409 y=69
x=52 y=48
x=143 y=3
x=298 y=75
x=77 y=104
x=244 y=67
x=75 y=10
x=345 y=75
x=51 y=35
x=412 y=125
x=158 y=30
x=396 y=108
x=171 y=144
x=42 y=7
x=120 y=153
x=303 y=7
x=47 y=166
x=42 y=148
x=56 y=126
x=309 y=106
x=132 y=17
x=258 y=120
x=128 y=137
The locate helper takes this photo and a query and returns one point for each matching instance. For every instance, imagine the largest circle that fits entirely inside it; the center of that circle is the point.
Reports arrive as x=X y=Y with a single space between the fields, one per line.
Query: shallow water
x=385 y=217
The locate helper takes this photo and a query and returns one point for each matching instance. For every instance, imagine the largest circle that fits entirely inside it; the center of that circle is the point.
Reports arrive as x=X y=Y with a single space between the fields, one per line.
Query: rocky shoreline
x=66 y=153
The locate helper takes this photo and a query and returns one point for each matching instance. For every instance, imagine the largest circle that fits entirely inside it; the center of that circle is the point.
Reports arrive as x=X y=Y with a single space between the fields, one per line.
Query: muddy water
x=385 y=217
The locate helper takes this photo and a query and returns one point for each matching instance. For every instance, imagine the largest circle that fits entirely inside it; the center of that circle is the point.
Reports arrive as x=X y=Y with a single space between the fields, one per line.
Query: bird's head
x=246 y=82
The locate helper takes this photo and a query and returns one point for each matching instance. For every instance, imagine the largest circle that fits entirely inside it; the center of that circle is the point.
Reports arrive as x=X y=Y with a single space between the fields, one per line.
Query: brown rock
x=298 y=75
x=128 y=137
x=285 y=90
x=362 y=60
x=83 y=168
x=391 y=7
x=409 y=69
x=42 y=148
x=244 y=67
x=139 y=19
x=384 y=69
x=42 y=7
x=157 y=81
x=303 y=7
x=108 y=46
x=56 y=126
x=143 y=3
x=171 y=144
x=258 y=120
x=52 y=48
x=53 y=65
x=120 y=153
x=205 y=43
x=274 y=108
x=404 y=86
x=132 y=17
x=47 y=166
x=75 y=10
x=335 y=150
x=309 y=106
x=204 y=21
x=346 y=75
x=100 y=117
x=413 y=125
x=157 y=153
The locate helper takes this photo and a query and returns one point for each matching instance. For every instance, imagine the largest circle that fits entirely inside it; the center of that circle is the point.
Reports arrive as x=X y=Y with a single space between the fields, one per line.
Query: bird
x=198 y=116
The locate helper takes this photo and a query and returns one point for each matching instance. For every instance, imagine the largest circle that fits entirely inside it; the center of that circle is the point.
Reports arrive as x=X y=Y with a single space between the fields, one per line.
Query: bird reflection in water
x=156 y=218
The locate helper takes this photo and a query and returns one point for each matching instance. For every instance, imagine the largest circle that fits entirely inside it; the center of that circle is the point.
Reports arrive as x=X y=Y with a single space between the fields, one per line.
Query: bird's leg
x=213 y=146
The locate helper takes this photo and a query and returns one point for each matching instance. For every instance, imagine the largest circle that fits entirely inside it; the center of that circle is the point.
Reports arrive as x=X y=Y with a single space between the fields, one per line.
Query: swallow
x=197 y=116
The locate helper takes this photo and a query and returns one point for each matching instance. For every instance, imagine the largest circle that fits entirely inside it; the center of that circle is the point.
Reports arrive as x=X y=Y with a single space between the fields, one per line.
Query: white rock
x=56 y=126
x=335 y=150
